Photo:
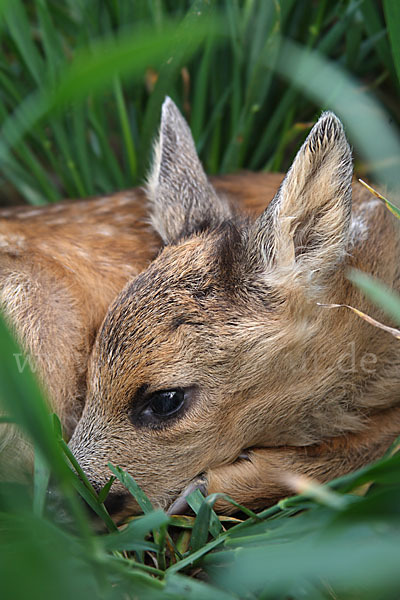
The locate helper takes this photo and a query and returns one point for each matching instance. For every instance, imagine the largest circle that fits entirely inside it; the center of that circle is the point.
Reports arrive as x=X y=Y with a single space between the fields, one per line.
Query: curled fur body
x=213 y=288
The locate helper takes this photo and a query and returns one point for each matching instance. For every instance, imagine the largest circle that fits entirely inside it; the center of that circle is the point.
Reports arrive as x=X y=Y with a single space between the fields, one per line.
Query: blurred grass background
x=82 y=82
x=81 y=85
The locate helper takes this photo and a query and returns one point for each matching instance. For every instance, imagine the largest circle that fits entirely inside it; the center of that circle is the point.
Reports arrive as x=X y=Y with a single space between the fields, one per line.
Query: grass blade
x=15 y=16
x=40 y=484
x=128 y=140
x=365 y=317
x=136 y=531
x=392 y=17
x=133 y=488
x=390 y=206
x=196 y=501
x=379 y=293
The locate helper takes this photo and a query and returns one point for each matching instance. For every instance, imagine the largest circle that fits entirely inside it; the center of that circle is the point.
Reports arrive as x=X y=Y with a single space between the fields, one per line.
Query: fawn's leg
x=261 y=479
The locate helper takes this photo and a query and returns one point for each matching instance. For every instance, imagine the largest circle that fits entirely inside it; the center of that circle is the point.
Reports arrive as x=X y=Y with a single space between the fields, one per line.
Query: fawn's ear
x=306 y=225
x=182 y=200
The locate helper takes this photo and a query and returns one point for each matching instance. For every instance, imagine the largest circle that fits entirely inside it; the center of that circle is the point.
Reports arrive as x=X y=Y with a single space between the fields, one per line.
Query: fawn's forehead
x=191 y=266
x=188 y=284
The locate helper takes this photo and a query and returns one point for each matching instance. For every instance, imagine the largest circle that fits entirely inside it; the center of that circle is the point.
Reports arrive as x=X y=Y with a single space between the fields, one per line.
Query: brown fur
x=227 y=311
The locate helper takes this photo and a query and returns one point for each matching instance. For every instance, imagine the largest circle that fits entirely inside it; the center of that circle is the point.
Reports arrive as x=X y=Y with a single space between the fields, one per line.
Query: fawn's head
x=199 y=357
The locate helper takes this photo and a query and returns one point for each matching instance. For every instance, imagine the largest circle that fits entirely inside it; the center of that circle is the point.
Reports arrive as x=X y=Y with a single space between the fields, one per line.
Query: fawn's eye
x=156 y=409
x=165 y=402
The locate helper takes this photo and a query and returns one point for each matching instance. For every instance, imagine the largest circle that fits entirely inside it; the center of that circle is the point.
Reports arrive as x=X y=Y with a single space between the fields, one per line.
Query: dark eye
x=165 y=402
x=161 y=408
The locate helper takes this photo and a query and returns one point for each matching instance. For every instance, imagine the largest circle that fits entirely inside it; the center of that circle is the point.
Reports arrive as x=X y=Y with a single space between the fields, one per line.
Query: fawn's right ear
x=305 y=227
x=183 y=201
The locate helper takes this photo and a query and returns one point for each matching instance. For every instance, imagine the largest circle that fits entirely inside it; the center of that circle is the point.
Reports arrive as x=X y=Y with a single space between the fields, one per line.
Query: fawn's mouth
x=180 y=505
x=119 y=505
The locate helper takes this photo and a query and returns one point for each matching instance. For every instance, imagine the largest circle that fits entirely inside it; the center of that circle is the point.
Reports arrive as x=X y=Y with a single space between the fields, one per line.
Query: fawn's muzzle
x=115 y=502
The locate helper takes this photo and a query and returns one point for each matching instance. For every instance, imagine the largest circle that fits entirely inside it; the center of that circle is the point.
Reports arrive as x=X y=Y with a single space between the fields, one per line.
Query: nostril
x=114 y=503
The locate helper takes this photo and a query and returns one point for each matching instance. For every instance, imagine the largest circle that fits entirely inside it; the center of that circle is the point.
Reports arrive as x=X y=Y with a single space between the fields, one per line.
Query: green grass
x=81 y=85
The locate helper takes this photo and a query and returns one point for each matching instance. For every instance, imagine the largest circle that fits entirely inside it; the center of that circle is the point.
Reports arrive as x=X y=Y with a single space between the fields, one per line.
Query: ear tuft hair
x=327 y=131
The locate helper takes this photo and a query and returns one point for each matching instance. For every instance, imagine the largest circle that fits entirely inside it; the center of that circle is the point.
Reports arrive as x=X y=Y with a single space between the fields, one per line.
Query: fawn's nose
x=115 y=502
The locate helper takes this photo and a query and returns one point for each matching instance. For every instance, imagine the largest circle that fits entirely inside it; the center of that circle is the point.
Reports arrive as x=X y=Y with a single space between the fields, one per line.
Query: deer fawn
x=192 y=350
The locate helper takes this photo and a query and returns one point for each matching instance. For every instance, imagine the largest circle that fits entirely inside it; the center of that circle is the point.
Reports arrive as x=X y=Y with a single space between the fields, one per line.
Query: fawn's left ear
x=306 y=225
x=182 y=199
